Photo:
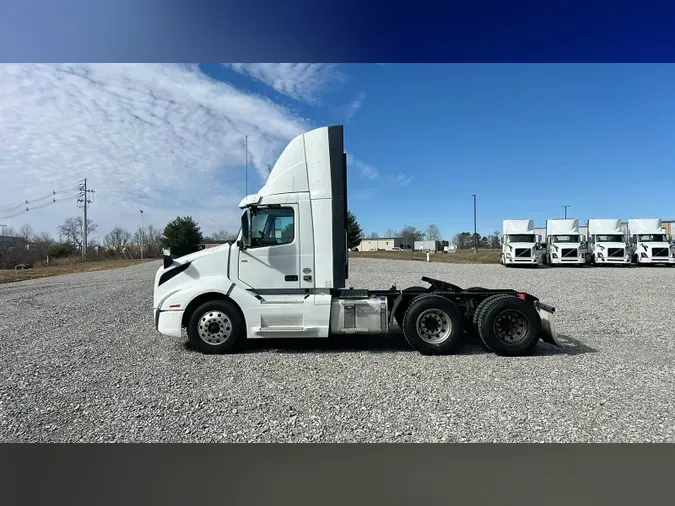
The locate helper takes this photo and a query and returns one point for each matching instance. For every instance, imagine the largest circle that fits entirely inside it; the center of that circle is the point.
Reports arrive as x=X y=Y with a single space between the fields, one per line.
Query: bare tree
x=222 y=235
x=495 y=240
x=43 y=242
x=391 y=233
x=410 y=235
x=433 y=233
x=26 y=233
x=373 y=235
x=71 y=230
x=116 y=240
x=152 y=241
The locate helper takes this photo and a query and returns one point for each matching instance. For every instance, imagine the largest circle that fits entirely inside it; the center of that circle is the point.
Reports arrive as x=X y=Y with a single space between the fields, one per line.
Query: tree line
x=462 y=240
x=182 y=236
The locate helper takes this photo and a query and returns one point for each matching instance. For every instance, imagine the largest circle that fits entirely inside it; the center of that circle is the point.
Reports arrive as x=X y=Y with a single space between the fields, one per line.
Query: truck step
x=281 y=328
x=283 y=301
x=346 y=293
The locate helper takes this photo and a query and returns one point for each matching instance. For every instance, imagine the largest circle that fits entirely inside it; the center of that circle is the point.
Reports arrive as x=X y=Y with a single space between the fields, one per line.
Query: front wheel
x=433 y=325
x=216 y=327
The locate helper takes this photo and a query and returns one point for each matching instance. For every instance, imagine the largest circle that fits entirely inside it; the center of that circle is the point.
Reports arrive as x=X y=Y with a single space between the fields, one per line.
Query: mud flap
x=548 y=330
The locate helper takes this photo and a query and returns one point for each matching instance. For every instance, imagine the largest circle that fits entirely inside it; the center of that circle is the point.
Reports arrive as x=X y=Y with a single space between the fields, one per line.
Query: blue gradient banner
x=344 y=31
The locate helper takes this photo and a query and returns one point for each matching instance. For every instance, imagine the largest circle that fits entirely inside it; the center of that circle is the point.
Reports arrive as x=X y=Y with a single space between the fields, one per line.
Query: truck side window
x=272 y=227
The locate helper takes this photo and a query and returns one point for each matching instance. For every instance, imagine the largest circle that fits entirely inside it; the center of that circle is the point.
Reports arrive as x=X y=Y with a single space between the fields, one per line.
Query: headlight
x=643 y=255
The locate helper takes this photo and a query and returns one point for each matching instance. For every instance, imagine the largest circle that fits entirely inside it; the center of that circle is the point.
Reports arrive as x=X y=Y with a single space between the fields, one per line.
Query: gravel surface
x=81 y=361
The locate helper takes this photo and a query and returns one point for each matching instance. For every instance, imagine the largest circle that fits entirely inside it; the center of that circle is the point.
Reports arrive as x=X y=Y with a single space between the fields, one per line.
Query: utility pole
x=84 y=200
x=246 y=148
x=142 y=234
x=565 y=208
x=475 y=239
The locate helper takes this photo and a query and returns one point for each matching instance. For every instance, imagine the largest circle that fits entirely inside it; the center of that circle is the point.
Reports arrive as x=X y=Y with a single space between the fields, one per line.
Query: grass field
x=12 y=276
x=459 y=257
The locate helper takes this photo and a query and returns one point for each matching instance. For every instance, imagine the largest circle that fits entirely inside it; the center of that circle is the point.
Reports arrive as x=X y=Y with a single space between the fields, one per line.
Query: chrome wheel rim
x=214 y=327
x=511 y=326
x=434 y=326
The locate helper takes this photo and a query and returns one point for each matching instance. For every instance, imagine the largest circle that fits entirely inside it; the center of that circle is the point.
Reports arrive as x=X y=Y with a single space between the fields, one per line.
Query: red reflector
x=521 y=296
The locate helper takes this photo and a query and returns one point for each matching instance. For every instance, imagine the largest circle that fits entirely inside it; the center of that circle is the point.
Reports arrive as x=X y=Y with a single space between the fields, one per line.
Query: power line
x=64 y=194
x=38 y=199
x=40 y=206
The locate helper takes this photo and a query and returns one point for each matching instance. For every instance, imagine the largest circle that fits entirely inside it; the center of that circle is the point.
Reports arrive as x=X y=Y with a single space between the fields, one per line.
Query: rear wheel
x=508 y=325
x=433 y=325
x=400 y=310
x=216 y=327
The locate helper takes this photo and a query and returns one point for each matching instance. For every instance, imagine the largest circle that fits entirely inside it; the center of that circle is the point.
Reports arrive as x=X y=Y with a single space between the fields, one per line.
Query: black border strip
x=549 y=474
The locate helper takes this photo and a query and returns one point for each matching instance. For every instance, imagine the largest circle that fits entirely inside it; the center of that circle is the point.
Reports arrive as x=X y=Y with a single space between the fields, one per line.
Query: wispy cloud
x=164 y=137
x=402 y=179
x=301 y=81
x=365 y=171
x=354 y=106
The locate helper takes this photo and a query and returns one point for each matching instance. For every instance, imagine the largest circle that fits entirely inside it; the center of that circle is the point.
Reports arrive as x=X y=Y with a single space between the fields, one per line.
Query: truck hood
x=202 y=253
x=566 y=245
x=659 y=244
x=521 y=244
x=610 y=244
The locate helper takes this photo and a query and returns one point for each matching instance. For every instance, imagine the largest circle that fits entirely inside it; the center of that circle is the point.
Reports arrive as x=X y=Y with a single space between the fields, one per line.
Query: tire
x=510 y=311
x=400 y=311
x=230 y=335
x=480 y=311
x=421 y=325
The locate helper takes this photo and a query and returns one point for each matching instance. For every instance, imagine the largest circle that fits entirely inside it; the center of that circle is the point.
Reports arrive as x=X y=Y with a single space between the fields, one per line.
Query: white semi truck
x=520 y=243
x=649 y=243
x=564 y=244
x=285 y=276
x=607 y=243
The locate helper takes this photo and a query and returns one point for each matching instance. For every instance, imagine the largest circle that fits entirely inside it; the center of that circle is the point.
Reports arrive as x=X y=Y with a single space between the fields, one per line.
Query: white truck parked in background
x=285 y=276
x=649 y=243
x=564 y=243
x=520 y=243
x=607 y=243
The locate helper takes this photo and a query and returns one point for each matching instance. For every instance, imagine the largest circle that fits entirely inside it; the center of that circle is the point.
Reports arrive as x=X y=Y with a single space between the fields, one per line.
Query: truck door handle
x=293 y=277
x=307 y=278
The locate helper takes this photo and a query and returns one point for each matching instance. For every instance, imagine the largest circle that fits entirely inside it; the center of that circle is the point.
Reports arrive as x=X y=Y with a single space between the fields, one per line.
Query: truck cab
x=649 y=243
x=520 y=243
x=564 y=244
x=607 y=243
x=286 y=276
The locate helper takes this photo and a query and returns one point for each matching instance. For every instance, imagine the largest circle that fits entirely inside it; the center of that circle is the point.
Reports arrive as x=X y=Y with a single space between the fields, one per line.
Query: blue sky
x=421 y=139
x=526 y=139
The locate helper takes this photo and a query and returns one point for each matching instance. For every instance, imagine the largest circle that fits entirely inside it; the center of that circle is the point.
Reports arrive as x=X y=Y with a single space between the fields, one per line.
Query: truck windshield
x=609 y=238
x=565 y=238
x=651 y=238
x=521 y=238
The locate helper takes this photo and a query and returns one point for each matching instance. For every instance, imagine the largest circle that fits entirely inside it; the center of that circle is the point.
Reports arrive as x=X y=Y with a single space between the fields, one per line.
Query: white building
x=428 y=246
x=381 y=244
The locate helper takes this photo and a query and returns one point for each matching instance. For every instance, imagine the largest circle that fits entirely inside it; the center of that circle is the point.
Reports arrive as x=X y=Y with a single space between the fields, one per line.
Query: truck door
x=273 y=258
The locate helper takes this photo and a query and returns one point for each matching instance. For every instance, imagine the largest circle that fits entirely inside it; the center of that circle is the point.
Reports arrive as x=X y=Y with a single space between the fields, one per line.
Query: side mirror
x=245 y=240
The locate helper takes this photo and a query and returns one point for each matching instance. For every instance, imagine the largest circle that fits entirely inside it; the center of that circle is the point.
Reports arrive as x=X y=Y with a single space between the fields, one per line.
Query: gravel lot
x=81 y=361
